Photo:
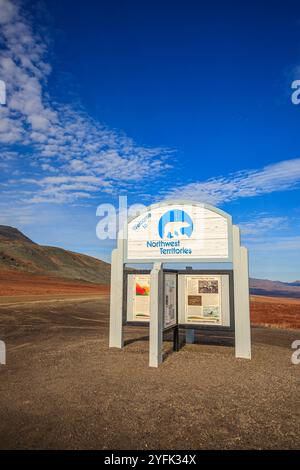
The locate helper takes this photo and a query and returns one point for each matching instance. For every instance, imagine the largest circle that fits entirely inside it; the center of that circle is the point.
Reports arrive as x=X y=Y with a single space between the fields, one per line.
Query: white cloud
x=62 y=189
x=19 y=215
x=277 y=244
x=279 y=176
x=7 y=11
x=262 y=224
x=60 y=137
x=62 y=140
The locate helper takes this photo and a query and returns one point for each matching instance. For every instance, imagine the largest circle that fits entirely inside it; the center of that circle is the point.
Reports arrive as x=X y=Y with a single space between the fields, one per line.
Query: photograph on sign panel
x=212 y=311
x=208 y=287
x=142 y=298
x=195 y=300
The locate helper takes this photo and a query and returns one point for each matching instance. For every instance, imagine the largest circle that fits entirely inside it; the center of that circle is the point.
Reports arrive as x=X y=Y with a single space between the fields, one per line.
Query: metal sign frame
x=215 y=328
x=238 y=286
x=125 y=297
x=170 y=271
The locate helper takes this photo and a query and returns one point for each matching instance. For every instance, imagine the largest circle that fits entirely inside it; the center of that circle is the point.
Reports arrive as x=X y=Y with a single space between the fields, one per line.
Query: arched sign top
x=184 y=202
x=174 y=231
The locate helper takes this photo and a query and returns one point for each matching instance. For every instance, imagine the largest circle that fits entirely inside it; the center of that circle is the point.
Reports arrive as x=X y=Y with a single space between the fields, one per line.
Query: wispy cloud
x=262 y=224
x=281 y=176
x=55 y=137
x=277 y=244
x=71 y=156
x=20 y=216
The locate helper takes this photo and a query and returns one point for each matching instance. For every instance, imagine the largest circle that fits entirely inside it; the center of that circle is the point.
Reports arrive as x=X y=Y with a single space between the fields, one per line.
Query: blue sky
x=152 y=99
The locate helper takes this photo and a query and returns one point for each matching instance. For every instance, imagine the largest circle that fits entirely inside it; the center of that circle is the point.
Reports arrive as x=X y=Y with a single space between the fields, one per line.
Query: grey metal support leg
x=190 y=336
x=156 y=316
x=116 y=298
x=241 y=298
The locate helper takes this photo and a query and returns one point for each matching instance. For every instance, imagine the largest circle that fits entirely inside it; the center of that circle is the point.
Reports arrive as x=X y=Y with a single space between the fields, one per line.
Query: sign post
x=241 y=298
x=156 y=316
x=116 y=296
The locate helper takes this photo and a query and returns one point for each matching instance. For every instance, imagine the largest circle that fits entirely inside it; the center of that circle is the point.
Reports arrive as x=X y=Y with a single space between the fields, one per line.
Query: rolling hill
x=20 y=254
x=275 y=288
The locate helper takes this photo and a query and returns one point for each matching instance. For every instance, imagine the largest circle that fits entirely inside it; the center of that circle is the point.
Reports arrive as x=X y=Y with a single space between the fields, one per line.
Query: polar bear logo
x=174 y=229
x=175 y=223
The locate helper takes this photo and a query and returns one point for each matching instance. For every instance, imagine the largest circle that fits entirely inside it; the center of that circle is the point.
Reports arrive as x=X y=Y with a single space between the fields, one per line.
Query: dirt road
x=63 y=388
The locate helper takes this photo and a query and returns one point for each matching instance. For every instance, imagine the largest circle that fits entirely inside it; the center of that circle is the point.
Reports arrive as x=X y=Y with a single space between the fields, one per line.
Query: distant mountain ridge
x=19 y=253
x=13 y=234
x=275 y=288
x=294 y=283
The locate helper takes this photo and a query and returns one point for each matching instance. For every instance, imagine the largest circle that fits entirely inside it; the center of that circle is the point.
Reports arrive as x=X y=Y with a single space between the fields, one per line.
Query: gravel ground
x=62 y=388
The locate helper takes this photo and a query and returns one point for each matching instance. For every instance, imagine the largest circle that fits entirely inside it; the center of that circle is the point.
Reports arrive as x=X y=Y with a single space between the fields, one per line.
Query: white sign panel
x=203 y=299
x=179 y=231
x=170 y=300
x=141 y=309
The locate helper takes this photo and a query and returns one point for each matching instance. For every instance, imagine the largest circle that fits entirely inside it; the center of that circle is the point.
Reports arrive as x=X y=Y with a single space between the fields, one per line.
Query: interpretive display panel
x=170 y=307
x=141 y=308
x=138 y=298
x=203 y=303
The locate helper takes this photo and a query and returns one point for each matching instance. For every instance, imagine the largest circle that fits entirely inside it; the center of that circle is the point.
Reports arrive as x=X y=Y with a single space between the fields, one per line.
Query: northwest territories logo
x=175 y=224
